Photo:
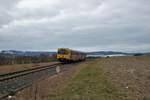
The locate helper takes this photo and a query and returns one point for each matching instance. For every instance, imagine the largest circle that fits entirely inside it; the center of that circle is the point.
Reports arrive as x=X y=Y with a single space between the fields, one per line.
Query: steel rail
x=24 y=74
x=10 y=75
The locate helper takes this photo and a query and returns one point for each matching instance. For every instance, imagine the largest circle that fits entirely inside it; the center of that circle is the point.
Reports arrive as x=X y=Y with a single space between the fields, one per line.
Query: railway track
x=10 y=83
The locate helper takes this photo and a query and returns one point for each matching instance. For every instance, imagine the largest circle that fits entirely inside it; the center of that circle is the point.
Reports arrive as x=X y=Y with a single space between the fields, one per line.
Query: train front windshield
x=62 y=51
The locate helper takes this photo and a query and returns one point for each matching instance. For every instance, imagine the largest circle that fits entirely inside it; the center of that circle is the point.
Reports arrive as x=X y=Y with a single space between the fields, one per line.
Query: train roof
x=72 y=50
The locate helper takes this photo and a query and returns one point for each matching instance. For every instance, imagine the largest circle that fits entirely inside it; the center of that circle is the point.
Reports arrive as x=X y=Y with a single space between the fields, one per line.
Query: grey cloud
x=5 y=11
x=97 y=24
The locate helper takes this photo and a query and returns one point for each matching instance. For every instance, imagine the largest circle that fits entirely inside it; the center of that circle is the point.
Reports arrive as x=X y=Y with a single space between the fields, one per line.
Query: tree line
x=12 y=59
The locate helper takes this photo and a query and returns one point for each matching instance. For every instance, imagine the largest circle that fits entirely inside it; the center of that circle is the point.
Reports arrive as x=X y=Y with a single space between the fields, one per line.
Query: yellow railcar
x=67 y=55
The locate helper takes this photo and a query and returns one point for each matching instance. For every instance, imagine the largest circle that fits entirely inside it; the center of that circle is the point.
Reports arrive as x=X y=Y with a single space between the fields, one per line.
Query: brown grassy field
x=16 y=67
x=130 y=74
x=114 y=78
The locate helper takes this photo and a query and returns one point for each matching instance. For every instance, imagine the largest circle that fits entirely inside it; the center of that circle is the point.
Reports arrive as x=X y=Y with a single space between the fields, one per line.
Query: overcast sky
x=87 y=25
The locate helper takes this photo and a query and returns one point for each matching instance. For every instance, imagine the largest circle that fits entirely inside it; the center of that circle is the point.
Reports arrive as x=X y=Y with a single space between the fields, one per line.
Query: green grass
x=90 y=84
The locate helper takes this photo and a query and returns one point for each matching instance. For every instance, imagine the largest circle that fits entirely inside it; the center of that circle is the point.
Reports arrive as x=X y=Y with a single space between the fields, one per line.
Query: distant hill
x=113 y=53
x=27 y=53
x=105 y=53
x=38 y=53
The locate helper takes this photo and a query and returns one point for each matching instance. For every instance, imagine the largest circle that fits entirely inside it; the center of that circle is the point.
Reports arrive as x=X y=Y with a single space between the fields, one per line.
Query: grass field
x=114 y=78
x=90 y=83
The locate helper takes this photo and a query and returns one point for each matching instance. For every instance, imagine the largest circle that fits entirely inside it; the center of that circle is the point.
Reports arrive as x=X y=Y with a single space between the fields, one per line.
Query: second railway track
x=15 y=81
